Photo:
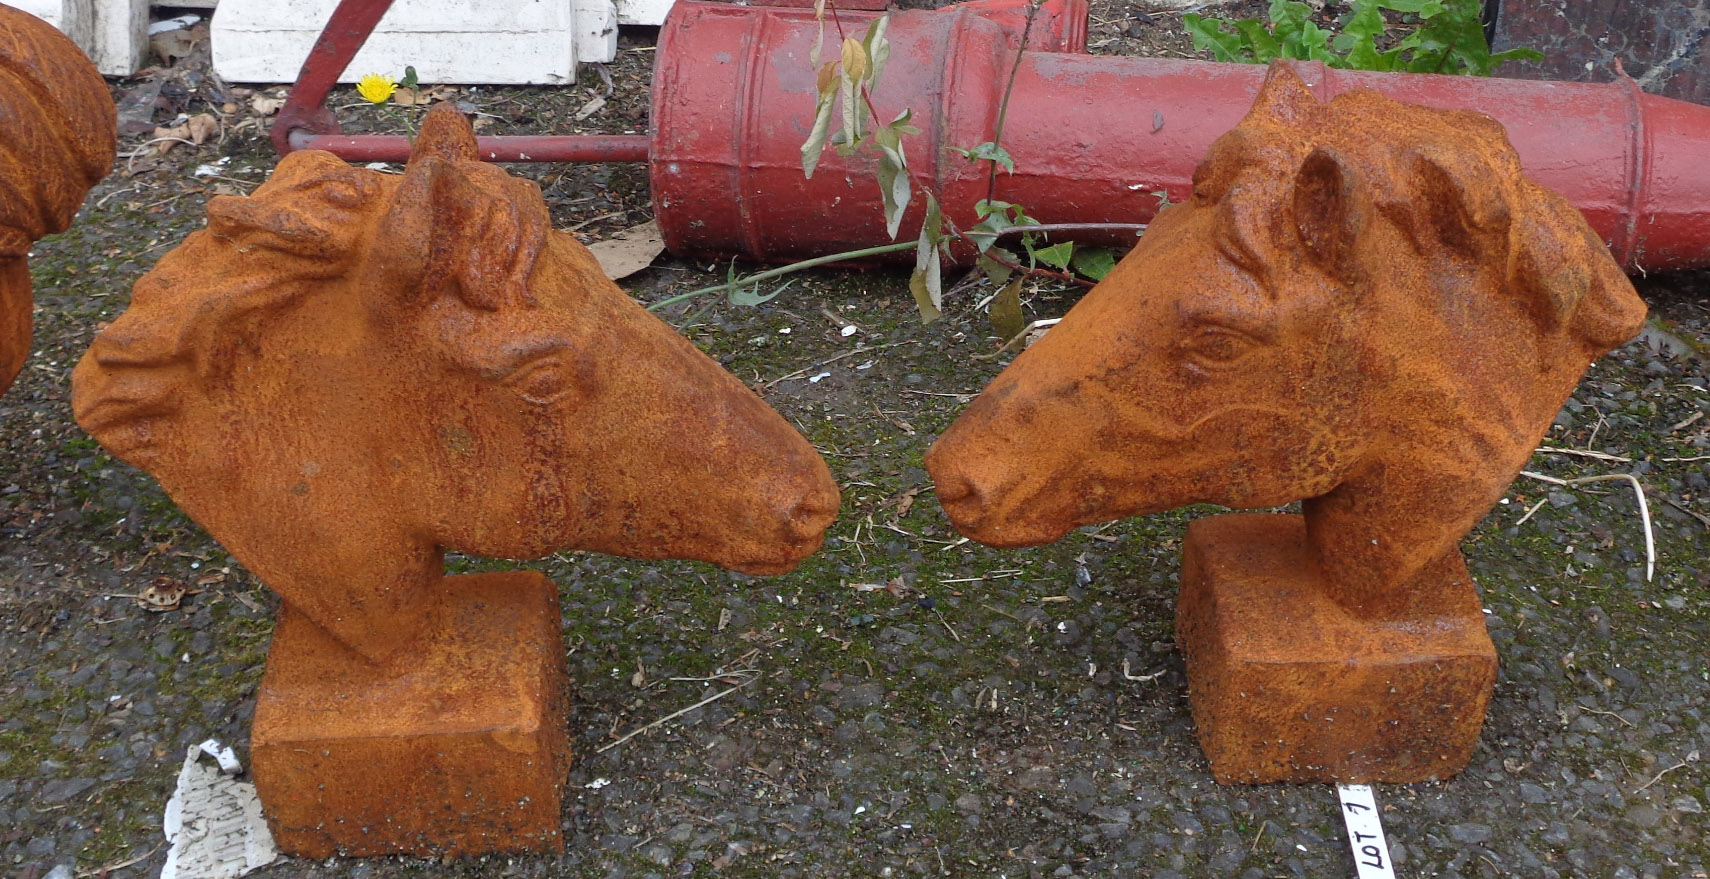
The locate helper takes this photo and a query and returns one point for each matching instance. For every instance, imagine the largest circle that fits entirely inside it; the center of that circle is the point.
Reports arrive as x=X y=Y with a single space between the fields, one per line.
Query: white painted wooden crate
x=449 y=41
x=113 y=33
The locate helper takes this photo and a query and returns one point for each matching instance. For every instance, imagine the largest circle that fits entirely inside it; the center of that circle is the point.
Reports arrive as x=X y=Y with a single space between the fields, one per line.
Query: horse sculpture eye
x=543 y=382
x=1215 y=347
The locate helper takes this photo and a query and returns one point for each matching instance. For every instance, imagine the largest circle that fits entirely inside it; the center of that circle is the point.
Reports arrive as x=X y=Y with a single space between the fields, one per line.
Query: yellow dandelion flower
x=376 y=88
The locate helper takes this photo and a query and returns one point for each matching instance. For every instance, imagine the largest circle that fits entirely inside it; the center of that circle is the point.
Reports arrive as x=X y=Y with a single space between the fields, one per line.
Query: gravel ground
x=987 y=714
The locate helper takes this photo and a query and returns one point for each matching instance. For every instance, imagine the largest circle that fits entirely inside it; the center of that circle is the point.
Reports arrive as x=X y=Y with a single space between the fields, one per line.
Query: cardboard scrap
x=213 y=821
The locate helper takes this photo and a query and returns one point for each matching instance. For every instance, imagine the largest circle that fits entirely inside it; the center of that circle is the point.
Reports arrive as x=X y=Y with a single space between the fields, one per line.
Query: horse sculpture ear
x=1328 y=215
x=445 y=134
x=1284 y=98
x=457 y=227
x=1463 y=202
x=1568 y=277
x=486 y=235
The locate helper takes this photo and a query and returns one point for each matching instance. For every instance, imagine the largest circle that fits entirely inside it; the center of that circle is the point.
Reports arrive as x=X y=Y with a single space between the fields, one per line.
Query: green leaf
x=1208 y=33
x=878 y=48
x=749 y=295
x=996 y=272
x=1005 y=311
x=927 y=281
x=815 y=144
x=894 y=187
x=1259 y=42
x=1057 y=255
x=990 y=152
x=1093 y=262
x=850 y=73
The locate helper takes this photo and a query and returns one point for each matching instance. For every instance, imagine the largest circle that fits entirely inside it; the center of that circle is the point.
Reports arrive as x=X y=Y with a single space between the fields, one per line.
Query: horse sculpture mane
x=187 y=330
x=1451 y=186
x=310 y=225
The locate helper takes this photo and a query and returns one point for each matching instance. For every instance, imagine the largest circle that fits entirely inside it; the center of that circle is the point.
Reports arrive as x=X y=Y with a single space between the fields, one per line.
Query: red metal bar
x=396 y=148
x=305 y=110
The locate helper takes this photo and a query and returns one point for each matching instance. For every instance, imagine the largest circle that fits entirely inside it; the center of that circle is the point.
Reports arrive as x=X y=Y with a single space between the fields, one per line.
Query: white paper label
x=1365 y=831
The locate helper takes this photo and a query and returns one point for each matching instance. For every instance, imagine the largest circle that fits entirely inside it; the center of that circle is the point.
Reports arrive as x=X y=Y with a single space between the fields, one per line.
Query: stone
x=349 y=372
x=1365 y=307
x=57 y=140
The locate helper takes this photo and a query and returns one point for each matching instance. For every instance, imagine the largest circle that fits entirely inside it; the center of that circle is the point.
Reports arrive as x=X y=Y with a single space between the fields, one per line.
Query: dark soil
x=994 y=714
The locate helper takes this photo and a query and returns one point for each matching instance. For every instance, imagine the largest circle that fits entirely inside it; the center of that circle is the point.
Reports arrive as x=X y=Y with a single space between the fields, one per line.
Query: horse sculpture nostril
x=954 y=488
x=810 y=515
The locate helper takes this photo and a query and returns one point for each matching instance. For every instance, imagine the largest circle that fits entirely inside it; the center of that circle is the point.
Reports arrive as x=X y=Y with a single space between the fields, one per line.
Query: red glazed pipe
x=1092 y=137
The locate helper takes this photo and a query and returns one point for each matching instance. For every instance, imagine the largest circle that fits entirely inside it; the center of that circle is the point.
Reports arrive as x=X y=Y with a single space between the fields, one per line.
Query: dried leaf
x=162 y=594
x=854 y=59
x=629 y=251
x=590 y=108
x=263 y=105
x=1005 y=312
x=905 y=502
x=201 y=127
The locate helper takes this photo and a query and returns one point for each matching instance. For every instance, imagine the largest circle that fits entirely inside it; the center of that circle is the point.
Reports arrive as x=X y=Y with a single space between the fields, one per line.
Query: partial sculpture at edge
x=1364 y=306
x=347 y=373
x=57 y=139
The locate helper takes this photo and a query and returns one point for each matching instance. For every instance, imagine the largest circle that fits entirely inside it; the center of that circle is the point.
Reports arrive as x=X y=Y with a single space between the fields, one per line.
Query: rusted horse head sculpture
x=348 y=371
x=56 y=141
x=1364 y=305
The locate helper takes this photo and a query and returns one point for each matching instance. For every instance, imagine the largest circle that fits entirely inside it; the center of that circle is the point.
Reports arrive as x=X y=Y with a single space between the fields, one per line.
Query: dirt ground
x=916 y=705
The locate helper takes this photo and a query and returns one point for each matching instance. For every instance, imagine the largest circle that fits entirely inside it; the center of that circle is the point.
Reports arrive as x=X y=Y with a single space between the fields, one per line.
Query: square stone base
x=1287 y=686
x=462 y=750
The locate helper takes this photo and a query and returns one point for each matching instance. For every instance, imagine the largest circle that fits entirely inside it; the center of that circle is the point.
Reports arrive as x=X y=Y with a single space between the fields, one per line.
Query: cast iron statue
x=349 y=372
x=1366 y=307
x=57 y=139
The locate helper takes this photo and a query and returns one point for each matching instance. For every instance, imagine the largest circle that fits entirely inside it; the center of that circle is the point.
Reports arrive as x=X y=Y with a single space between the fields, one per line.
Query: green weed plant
x=1447 y=37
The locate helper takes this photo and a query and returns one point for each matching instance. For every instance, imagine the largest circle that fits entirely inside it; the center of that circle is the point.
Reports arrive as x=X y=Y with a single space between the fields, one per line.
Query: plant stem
x=1136 y=228
x=769 y=274
x=1003 y=105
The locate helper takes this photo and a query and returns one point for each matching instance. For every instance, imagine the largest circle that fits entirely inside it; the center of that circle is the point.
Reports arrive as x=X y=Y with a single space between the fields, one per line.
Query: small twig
x=676 y=714
x=1609 y=713
x=947 y=625
x=1644 y=508
x=100 y=871
x=1688 y=422
x=1687 y=460
x=1583 y=453
x=1009 y=89
x=1535 y=508
x=1702 y=519
x=1004 y=613
x=1660 y=775
x=1141 y=678
x=830 y=360
x=1260 y=835
x=783 y=270
x=1136 y=228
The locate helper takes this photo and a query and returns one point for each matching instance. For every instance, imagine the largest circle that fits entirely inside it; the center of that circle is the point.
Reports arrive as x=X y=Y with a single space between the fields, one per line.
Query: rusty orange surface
x=1365 y=306
x=57 y=140
x=349 y=372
